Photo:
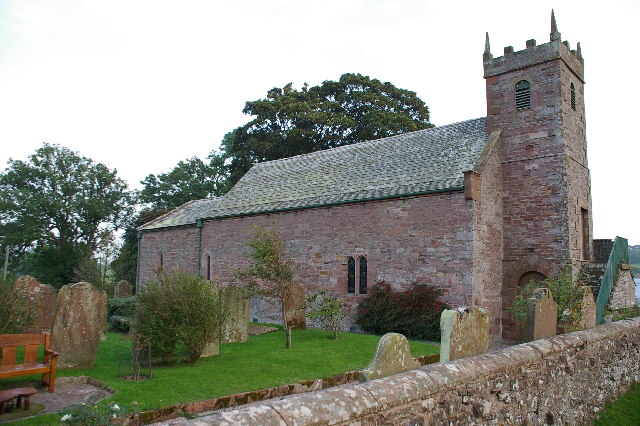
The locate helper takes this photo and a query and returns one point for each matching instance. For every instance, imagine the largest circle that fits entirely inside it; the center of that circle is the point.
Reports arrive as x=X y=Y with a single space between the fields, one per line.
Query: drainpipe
x=138 y=262
x=199 y=224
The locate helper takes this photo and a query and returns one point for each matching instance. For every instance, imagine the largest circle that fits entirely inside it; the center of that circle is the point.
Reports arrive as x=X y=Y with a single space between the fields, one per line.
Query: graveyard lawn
x=261 y=362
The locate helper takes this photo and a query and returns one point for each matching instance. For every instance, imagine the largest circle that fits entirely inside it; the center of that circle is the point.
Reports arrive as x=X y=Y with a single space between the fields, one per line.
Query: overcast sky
x=142 y=84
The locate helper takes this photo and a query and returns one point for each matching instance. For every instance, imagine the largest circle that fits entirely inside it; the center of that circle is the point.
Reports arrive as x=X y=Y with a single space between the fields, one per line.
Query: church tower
x=535 y=98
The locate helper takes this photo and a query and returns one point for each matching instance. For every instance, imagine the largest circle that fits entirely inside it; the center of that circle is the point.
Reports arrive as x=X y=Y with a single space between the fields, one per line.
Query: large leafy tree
x=55 y=207
x=191 y=179
x=291 y=122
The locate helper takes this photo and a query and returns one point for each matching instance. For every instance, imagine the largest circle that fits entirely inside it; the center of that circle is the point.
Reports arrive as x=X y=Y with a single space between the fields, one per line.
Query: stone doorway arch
x=517 y=273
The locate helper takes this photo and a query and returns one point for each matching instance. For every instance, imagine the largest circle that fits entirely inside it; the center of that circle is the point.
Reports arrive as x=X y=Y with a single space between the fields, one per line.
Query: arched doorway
x=511 y=330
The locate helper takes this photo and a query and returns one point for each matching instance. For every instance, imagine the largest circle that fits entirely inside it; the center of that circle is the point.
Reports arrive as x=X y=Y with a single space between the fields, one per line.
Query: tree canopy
x=57 y=206
x=290 y=122
x=191 y=179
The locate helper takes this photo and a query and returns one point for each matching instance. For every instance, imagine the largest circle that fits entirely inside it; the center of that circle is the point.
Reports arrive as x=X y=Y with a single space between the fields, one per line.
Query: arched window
x=363 y=275
x=209 y=267
x=351 y=275
x=573 y=96
x=161 y=261
x=523 y=95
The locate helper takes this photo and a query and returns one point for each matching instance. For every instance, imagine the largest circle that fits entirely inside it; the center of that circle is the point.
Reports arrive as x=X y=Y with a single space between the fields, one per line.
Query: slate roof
x=424 y=161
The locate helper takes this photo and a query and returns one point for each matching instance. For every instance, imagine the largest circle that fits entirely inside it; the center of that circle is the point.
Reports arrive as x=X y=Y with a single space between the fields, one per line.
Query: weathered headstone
x=235 y=326
x=122 y=289
x=211 y=349
x=78 y=322
x=42 y=300
x=392 y=356
x=465 y=333
x=588 y=309
x=542 y=315
x=293 y=301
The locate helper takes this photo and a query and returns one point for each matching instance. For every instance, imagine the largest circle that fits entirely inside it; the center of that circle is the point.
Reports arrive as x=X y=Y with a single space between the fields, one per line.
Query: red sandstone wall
x=179 y=249
x=544 y=172
x=427 y=239
x=487 y=235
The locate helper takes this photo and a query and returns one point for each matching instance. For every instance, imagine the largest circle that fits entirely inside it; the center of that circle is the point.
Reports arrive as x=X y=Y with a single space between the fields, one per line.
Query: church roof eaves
x=186 y=214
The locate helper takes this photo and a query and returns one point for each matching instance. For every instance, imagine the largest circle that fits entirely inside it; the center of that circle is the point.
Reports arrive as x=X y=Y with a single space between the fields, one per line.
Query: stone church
x=475 y=208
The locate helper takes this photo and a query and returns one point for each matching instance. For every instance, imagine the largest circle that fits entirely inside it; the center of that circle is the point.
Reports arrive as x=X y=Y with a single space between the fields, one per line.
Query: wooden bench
x=9 y=366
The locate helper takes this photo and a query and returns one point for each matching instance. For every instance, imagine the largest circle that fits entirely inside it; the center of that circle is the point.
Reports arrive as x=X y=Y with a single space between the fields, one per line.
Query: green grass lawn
x=262 y=362
x=623 y=411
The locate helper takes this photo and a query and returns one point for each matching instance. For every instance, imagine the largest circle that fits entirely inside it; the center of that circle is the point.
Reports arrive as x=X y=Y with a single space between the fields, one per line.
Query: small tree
x=566 y=292
x=179 y=308
x=16 y=313
x=270 y=274
x=328 y=310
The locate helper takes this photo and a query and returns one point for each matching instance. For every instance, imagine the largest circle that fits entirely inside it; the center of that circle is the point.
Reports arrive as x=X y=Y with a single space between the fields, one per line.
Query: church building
x=475 y=208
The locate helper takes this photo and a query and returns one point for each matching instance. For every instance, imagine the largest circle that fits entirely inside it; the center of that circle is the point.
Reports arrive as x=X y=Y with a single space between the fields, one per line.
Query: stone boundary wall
x=564 y=379
x=195 y=407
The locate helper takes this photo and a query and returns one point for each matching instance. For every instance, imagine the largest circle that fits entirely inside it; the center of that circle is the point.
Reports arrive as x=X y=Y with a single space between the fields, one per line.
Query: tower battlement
x=534 y=54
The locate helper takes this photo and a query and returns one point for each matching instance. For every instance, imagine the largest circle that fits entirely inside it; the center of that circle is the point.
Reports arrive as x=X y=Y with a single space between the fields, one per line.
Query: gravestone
x=122 y=289
x=78 y=322
x=392 y=356
x=42 y=300
x=211 y=349
x=235 y=325
x=542 y=315
x=588 y=309
x=465 y=333
x=293 y=301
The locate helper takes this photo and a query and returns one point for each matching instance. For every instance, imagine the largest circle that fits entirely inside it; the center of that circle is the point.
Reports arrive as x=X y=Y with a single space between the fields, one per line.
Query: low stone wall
x=562 y=379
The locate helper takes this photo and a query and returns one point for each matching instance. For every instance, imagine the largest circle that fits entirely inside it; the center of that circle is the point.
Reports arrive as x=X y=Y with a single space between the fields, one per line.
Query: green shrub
x=623 y=313
x=414 y=312
x=16 y=313
x=179 y=310
x=119 y=312
x=566 y=292
x=327 y=310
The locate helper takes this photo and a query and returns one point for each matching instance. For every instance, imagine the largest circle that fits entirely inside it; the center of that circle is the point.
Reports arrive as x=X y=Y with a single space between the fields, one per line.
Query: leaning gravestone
x=122 y=289
x=42 y=300
x=588 y=314
x=588 y=309
x=235 y=325
x=293 y=301
x=542 y=315
x=79 y=320
x=465 y=333
x=392 y=356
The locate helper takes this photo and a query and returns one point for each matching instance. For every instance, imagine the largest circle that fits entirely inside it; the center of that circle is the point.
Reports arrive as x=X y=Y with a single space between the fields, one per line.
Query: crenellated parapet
x=534 y=54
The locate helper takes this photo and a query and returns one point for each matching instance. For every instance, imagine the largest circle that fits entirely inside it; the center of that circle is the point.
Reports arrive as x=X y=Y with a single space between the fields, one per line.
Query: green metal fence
x=619 y=255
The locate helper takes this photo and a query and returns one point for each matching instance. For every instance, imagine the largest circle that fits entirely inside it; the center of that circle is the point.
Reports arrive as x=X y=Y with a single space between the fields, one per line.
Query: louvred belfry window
x=573 y=96
x=523 y=95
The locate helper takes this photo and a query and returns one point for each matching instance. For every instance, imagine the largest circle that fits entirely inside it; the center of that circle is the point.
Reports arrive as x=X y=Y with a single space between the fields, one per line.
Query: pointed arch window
x=573 y=96
x=161 y=261
x=351 y=275
x=363 y=275
x=523 y=95
x=209 y=267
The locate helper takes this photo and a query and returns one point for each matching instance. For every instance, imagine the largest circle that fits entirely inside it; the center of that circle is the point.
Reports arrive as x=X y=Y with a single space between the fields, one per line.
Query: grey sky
x=142 y=84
